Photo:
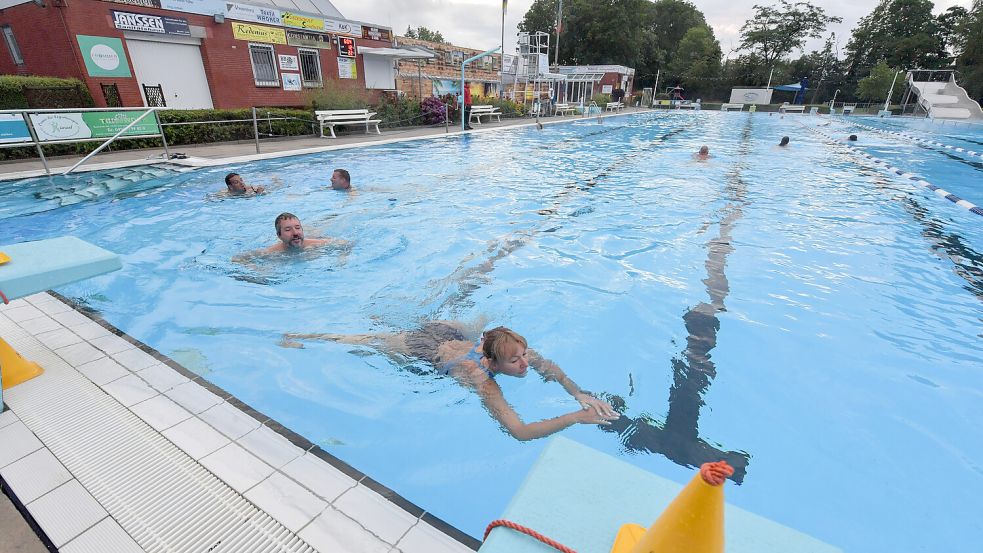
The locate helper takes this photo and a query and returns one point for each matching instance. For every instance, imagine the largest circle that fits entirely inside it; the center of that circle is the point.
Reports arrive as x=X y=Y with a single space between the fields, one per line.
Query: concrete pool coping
x=365 y=515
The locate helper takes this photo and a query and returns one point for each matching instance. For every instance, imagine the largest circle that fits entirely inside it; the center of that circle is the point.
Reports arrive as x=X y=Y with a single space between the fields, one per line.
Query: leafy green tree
x=774 y=31
x=697 y=61
x=666 y=23
x=949 y=24
x=904 y=33
x=970 y=60
x=423 y=33
x=874 y=87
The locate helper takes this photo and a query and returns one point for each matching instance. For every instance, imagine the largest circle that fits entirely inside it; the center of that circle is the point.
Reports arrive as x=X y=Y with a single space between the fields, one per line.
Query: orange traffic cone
x=692 y=523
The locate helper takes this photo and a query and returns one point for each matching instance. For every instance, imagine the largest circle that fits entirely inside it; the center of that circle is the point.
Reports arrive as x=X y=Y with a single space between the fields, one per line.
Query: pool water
x=795 y=310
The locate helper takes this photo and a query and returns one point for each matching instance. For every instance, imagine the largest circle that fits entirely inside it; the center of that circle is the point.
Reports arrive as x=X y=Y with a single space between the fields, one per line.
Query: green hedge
x=12 y=90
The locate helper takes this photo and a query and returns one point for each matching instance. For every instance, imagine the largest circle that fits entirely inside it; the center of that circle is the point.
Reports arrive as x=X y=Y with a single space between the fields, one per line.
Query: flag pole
x=559 y=25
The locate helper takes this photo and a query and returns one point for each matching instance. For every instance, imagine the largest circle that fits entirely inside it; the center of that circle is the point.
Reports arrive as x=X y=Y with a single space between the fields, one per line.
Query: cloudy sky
x=478 y=23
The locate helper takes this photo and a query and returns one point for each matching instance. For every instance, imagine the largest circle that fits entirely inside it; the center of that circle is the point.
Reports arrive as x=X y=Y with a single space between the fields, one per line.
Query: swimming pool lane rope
x=527 y=531
x=920 y=140
x=973 y=208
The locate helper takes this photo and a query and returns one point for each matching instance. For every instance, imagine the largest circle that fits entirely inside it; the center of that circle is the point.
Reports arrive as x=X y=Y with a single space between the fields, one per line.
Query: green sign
x=104 y=56
x=90 y=124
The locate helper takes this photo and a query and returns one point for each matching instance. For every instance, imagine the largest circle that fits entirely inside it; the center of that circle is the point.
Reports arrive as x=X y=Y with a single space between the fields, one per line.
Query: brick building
x=194 y=53
x=442 y=74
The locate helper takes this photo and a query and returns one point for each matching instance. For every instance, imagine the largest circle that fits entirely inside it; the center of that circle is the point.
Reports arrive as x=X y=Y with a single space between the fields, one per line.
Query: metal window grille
x=310 y=68
x=110 y=92
x=264 y=65
x=155 y=96
x=8 y=35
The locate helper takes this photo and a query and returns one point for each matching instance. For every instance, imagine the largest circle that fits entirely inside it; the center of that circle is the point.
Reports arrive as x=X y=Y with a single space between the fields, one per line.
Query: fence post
x=255 y=130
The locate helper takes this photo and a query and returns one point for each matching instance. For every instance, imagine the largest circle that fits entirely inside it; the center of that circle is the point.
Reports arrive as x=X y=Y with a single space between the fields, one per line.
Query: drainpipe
x=463 y=63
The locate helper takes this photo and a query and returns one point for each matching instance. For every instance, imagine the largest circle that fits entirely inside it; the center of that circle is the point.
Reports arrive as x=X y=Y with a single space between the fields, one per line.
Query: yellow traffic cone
x=692 y=523
x=14 y=368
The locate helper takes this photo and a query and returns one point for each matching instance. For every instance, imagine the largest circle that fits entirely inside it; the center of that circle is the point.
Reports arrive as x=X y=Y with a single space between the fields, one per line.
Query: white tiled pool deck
x=116 y=448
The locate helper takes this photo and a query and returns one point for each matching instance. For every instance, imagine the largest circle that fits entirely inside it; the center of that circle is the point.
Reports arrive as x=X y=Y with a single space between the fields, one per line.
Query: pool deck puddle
x=118 y=448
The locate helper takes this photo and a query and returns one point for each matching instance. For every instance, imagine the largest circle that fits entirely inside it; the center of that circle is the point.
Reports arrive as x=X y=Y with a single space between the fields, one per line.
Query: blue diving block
x=31 y=267
x=580 y=497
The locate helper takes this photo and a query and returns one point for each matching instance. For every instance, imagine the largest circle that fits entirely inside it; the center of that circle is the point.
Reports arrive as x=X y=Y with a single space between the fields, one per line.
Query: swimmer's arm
x=551 y=371
x=327 y=242
x=491 y=397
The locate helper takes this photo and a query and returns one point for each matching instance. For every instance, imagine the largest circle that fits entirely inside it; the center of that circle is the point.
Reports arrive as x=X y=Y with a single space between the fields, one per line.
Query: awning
x=400 y=53
x=789 y=87
x=584 y=77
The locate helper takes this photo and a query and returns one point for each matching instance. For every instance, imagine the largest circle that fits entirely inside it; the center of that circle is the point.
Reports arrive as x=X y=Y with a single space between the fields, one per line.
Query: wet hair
x=784 y=141
x=499 y=338
x=228 y=178
x=704 y=149
x=281 y=218
x=852 y=138
x=344 y=174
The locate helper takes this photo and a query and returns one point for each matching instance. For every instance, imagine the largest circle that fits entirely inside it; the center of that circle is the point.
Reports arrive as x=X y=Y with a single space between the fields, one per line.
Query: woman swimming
x=475 y=364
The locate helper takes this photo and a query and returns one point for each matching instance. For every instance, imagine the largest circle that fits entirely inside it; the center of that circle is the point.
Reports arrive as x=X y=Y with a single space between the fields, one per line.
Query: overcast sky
x=478 y=23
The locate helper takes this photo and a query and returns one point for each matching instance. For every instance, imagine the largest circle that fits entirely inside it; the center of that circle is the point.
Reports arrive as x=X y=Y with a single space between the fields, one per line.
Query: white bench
x=560 y=109
x=848 y=108
x=688 y=105
x=787 y=108
x=728 y=107
x=490 y=111
x=331 y=117
x=614 y=106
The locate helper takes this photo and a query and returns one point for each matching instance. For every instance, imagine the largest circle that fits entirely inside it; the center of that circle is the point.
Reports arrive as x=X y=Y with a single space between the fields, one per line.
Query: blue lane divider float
x=922 y=140
x=910 y=176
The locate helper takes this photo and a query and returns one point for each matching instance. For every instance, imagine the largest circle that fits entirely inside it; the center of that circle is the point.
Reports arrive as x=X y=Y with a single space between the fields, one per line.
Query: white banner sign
x=339 y=27
x=242 y=12
x=291 y=81
x=288 y=63
x=750 y=95
x=347 y=68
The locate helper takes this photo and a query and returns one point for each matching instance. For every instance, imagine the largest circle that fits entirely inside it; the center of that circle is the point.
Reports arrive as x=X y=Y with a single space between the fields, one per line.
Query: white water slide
x=943 y=99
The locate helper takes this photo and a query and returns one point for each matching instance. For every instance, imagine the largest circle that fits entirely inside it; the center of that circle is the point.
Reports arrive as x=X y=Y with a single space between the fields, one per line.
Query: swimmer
x=291 y=234
x=851 y=138
x=341 y=180
x=451 y=348
x=703 y=154
x=238 y=187
x=784 y=142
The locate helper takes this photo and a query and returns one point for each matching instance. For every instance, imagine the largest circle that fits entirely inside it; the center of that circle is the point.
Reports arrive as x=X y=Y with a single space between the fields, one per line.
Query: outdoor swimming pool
x=796 y=307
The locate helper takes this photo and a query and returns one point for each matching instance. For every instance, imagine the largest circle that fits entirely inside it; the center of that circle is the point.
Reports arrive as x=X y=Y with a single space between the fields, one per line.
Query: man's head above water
x=289 y=230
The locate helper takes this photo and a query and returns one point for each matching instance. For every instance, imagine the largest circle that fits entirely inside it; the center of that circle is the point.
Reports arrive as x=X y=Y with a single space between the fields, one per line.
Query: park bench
x=490 y=111
x=561 y=109
x=332 y=117
x=848 y=108
x=728 y=107
x=614 y=106
x=788 y=108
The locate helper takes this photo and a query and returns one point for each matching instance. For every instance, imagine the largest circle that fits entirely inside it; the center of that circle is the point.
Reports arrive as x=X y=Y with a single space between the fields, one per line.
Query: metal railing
x=11 y=136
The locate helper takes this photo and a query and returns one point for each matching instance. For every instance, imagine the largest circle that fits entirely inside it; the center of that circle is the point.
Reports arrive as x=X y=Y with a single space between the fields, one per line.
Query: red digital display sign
x=346 y=47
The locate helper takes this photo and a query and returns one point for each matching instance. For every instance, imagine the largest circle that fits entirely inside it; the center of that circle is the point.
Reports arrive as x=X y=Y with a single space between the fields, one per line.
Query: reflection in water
x=967 y=262
x=678 y=438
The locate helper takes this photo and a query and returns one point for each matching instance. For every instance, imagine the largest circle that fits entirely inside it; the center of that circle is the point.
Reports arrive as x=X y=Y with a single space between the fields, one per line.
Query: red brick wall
x=47 y=40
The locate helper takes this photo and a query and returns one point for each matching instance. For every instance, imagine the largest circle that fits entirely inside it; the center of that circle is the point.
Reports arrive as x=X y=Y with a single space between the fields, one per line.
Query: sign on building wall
x=258 y=33
x=607 y=89
x=242 y=12
x=346 y=47
x=291 y=81
x=203 y=7
x=347 y=68
x=13 y=128
x=103 y=56
x=141 y=3
x=339 y=27
x=129 y=21
x=288 y=63
x=302 y=21
x=95 y=124
x=308 y=40
x=375 y=33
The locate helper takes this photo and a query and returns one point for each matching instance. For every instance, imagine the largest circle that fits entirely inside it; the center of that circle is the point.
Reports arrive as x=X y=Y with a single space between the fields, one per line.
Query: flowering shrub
x=432 y=109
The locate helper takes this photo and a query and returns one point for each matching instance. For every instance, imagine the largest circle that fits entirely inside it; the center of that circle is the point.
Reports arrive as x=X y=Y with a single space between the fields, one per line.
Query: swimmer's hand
x=286 y=342
x=589 y=416
x=597 y=406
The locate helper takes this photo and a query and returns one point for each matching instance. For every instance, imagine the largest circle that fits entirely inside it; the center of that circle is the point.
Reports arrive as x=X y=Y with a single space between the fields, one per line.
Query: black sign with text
x=346 y=47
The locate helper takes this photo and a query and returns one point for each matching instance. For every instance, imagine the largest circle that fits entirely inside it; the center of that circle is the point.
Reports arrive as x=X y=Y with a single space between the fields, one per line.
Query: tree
x=697 y=62
x=902 y=32
x=874 y=87
x=949 y=24
x=970 y=60
x=423 y=33
x=774 y=31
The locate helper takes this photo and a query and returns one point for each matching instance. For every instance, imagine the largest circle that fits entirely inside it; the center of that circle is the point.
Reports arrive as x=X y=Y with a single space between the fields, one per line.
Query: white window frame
x=11 y=40
x=272 y=53
x=319 y=83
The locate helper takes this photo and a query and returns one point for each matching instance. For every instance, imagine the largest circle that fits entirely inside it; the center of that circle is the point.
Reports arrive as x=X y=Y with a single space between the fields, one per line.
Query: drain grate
x=159 y=495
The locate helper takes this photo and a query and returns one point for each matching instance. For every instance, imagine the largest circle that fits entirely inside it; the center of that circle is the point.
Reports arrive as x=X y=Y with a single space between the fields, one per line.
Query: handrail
x=115 y=136
x=463 y=63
